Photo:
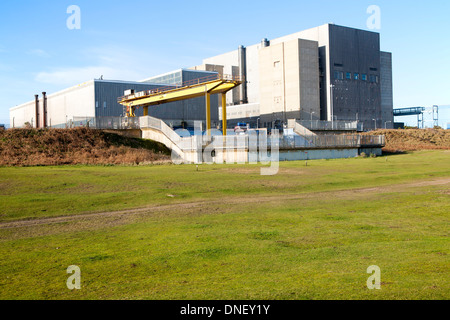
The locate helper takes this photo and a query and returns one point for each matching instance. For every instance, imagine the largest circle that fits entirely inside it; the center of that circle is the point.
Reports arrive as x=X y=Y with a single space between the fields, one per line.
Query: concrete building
x=328 y=73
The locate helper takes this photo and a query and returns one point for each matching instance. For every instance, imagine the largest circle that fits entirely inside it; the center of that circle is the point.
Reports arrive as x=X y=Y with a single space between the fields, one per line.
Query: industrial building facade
x=328 y=73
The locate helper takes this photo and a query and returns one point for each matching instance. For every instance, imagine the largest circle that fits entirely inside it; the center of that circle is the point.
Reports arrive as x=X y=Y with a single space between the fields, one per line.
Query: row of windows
x=339 y=75
x=104 y=104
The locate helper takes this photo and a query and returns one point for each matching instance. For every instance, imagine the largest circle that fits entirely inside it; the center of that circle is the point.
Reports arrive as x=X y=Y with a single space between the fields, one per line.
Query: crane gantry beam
x=217 y=84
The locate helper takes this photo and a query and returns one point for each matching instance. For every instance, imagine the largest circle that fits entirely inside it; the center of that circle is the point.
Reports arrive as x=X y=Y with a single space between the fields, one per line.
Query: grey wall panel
x=387 y=96
x=356 y=52
x=107 y=93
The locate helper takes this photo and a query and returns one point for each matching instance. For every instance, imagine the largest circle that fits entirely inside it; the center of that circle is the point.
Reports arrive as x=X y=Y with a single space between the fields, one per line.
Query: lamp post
x=332 y=102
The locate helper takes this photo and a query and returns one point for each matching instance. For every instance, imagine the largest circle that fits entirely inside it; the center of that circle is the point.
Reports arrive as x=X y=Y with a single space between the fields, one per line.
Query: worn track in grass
x=184 y=206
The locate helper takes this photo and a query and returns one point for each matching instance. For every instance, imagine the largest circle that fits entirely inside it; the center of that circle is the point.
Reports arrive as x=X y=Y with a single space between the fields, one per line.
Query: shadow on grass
x=389 y=153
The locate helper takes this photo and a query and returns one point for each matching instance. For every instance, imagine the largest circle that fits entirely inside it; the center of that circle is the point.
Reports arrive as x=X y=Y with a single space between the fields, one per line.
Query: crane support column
x=224 y=113
x=208 y=111
x=145 y=111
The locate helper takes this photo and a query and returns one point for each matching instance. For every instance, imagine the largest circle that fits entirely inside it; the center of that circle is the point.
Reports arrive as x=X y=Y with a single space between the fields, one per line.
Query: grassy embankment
x=31 y=147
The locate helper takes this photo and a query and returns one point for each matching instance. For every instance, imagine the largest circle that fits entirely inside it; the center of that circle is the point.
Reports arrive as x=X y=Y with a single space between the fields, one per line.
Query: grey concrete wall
x=289 y=80
x=297 y=155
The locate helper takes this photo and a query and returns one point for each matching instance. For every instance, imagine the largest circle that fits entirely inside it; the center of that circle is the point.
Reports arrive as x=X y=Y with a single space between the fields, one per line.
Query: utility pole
x=435 y=116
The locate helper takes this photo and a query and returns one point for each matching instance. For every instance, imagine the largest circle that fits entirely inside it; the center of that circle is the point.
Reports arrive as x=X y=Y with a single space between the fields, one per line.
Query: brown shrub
x=31 y=147
x=414 y=139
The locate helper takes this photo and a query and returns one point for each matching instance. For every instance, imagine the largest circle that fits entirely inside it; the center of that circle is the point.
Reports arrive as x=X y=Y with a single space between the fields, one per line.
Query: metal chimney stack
x=44 y=98
x=36 y=105
x=243 y=74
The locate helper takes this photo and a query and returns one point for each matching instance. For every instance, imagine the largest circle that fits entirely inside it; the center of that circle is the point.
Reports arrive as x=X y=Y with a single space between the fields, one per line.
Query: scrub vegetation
x=414 y=139
x=32 y=147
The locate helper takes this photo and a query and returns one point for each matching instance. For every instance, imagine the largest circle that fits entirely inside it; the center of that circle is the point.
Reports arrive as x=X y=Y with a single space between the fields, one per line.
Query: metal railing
x=115 y=123
x=369 y=141
x=186 y=84
x=244 y=141
x=317 y=125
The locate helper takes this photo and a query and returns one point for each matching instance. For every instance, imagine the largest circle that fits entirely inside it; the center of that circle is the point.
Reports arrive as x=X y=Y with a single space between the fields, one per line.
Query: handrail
x=186 y=84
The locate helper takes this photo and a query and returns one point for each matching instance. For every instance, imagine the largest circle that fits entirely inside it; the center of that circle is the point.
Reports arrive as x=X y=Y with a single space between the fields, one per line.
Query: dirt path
x=231 y=201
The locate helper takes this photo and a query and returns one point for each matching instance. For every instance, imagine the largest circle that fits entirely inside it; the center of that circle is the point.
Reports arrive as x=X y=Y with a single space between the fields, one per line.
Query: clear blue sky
x=133 y=40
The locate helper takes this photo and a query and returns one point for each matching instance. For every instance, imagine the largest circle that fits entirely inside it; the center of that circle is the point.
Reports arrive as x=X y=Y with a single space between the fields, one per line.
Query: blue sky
x=133 y=40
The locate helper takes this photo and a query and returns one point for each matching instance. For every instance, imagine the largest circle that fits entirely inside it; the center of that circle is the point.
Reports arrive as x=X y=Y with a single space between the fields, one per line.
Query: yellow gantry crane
x=216 y=84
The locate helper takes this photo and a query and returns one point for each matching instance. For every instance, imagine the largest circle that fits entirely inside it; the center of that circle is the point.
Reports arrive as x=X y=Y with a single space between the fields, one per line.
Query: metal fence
x=116 y=123
x=261 y=139
x=317 y=125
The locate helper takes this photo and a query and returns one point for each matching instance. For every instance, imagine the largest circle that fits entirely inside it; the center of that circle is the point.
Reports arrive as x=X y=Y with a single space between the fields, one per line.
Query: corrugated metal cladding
x=106 y=94
x=189 y=75
x=186 y=110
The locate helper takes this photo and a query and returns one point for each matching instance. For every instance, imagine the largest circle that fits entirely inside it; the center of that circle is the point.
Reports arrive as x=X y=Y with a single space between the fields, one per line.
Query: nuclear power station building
x=329 y=73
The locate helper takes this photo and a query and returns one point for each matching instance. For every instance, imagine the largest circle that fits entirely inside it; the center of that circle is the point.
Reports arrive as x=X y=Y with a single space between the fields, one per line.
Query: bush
x=32 y=147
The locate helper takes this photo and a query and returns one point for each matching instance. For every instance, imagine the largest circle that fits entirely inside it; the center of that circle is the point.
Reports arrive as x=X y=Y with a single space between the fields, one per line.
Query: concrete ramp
x=299 y=129
x=157 y=130
x=186 y=149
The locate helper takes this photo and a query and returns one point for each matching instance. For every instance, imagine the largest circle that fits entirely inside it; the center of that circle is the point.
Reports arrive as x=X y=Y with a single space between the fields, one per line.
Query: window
x=96 y=104
x=373 y=69
x=356 y=76
x=373 y=78
x=339 y=75
x=104 y=104
x=338 y=65
x=276 y=64
x=364 y=77
x=348 y=76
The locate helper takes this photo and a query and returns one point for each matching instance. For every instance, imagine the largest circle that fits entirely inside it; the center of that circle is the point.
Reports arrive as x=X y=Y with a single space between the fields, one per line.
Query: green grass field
x=226 y=232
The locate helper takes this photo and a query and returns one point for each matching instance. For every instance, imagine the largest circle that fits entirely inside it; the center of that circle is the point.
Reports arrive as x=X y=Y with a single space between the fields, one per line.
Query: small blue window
x=338 y=75
x=356 y=76
x=348 y=76
x=364 y=77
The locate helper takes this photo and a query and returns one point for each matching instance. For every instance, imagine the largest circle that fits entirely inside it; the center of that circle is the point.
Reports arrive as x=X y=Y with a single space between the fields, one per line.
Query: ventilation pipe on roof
x=242 y=52
x=44 y=98
x=36 y=106
x=265 y=43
